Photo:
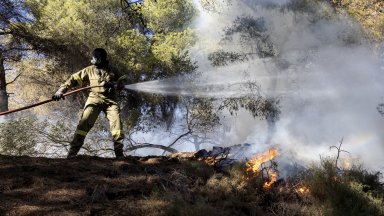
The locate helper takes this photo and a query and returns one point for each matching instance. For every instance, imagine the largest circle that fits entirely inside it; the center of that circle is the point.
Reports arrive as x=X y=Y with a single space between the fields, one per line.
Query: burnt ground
x=92 y=185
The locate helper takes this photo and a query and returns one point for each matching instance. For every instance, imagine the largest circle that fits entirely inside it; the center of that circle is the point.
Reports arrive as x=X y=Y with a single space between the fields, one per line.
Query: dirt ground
x=86 y=185
x=176 y=185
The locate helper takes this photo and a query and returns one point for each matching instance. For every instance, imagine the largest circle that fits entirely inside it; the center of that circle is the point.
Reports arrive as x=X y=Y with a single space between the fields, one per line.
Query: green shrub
x=18 y=137
x=347 y=192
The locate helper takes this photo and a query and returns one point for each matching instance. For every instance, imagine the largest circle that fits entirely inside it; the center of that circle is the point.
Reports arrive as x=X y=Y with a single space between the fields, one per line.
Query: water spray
x=198 y=89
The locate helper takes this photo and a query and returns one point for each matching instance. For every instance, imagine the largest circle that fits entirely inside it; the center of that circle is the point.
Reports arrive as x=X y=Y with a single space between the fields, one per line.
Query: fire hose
x=47 y=101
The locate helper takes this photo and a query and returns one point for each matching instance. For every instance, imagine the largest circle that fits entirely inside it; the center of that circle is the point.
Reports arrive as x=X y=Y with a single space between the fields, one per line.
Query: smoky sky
x=328 y=77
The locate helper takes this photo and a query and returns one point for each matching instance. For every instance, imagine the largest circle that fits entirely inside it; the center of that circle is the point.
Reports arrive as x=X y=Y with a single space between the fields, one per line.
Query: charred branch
x=339 y=150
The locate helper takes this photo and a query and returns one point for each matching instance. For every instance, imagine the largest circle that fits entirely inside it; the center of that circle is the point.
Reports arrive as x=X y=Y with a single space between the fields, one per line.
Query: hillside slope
x=87 y=185
x=179 y=185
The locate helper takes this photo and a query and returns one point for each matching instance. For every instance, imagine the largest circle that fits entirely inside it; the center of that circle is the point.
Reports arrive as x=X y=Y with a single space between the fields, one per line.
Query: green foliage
x=370 y=180
x=19 y=137
x=133 y=50
x=223 y=58
x=201 y=115
x=168 y=46
x=252 y=34
x=352 y=192
x=168 y=15
x=29 y=136
x=213 y=5
x=258 y=106
x=84 y=25
x=72 y=29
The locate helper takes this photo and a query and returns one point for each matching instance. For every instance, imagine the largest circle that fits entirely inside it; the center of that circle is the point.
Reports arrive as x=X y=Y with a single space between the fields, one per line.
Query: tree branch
x=42 y=82
x=339 y=150
x=11 y=59
x=18 y=75
x=20 y=49
x=5 y=32
x=149 y=145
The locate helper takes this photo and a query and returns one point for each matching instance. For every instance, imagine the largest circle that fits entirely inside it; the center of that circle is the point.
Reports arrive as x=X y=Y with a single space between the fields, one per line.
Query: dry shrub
x=221 y=186
x=289 y=208
x=230 y=193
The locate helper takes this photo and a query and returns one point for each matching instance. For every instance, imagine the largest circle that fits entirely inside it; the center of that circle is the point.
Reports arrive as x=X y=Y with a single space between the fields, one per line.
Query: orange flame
x=273 y=176
x=302 y=190
x=346 y=163
x=254 y=165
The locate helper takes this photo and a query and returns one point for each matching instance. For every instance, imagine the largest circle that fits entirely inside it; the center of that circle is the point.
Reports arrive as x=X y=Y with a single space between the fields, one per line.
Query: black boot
x=77 y=142
x=119 y=153
x=73 y=152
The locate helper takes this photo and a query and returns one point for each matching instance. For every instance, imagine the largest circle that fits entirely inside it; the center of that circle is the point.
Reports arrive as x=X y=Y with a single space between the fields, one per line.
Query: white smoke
x=329 y=88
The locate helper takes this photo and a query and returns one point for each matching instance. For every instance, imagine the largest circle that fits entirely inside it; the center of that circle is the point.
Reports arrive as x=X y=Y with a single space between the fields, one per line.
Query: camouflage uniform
x=99 y=99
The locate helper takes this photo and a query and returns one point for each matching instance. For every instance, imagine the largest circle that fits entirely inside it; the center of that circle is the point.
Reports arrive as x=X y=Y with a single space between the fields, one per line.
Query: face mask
x=95 y=61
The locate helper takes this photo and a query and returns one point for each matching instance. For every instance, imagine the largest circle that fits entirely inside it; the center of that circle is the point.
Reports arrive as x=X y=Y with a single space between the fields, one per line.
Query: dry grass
x=173 y=186
x=370 y=13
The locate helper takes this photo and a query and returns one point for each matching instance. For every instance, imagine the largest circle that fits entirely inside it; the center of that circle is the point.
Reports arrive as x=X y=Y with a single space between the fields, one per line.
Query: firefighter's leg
x=87 y=120
x=113 y=115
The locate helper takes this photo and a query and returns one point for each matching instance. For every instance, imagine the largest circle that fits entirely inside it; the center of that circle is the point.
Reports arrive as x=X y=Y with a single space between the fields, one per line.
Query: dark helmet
x=99 y=57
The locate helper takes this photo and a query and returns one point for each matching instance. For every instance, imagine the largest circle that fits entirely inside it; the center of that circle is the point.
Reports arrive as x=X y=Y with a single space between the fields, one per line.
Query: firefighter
x=99 y=99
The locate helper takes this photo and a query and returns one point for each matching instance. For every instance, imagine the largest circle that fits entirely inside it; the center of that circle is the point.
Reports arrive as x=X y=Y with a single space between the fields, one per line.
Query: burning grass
x=182 y=186
x=255 y=167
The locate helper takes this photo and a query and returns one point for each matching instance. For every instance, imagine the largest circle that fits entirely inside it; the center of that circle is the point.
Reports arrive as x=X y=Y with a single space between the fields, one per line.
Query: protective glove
x=109 y=87
x=58 y=96
x=120 y=86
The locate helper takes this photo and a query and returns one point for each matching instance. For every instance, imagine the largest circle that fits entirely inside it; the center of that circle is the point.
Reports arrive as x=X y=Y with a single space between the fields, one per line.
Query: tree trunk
x=196 y=143
x=3 y=86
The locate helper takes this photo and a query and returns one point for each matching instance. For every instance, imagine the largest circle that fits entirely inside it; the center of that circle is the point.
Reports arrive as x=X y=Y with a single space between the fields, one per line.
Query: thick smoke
x=328 y=78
